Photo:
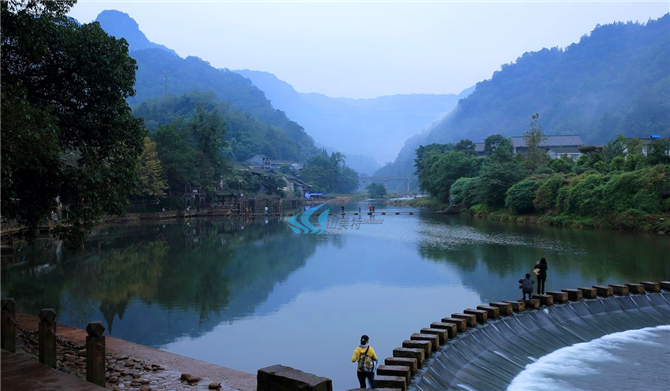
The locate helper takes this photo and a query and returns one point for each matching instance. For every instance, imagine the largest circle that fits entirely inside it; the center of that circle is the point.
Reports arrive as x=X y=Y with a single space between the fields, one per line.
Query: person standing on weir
x=342 y=209
x=541 y=275
x=359 y=210
x=366 y=359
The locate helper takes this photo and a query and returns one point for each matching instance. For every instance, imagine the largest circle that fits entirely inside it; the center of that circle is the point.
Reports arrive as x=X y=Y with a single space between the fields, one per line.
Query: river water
x=249 y=294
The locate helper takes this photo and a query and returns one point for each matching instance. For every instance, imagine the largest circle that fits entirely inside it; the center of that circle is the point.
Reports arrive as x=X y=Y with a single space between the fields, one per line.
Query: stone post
x=47 y=337
x=8 y=327
x=95 y=354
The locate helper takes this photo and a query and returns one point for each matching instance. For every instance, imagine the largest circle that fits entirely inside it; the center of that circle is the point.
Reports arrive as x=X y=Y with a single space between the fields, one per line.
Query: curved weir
x=490 y=356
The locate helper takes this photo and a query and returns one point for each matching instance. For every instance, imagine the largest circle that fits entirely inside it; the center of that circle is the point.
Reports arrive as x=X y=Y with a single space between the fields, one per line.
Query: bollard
x=8 y=327
x=47 y=337
x=95 y=354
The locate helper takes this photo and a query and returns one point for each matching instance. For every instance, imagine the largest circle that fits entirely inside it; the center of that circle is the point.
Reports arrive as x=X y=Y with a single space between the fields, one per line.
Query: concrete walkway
x=20 y=373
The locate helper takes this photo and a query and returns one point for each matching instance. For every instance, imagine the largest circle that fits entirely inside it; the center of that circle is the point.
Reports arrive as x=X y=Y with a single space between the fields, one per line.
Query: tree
x=535 y=156
x=150 y=170
x=491 y=143
x=658 y=152
x=376 y=190
x=520 y=196
x=442 y=170
x=67 y=130
x=466 y=146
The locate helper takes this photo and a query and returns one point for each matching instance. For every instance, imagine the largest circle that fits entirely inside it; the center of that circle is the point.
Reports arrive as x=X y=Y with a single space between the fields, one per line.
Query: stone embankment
x=131 y=366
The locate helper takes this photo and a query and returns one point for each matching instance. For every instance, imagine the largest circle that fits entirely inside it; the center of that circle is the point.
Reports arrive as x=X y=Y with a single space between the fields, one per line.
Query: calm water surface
x=251 y=294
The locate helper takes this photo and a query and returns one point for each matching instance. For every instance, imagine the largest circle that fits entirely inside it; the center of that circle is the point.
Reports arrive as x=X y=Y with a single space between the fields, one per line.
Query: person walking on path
x=342 y=209
x=541 y=271
x=266 y=210
x=370 y=207
x=366 y=359
x=526 y=285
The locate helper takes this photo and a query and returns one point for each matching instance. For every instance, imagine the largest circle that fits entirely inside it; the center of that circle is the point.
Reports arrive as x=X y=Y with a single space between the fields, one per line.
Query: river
x=249 y=294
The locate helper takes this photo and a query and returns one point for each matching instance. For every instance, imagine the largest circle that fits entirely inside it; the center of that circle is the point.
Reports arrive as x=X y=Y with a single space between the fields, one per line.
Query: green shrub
x=545 y=196
x=463 y=191
x=561 y=166
x=520 y=196
x=583 y=196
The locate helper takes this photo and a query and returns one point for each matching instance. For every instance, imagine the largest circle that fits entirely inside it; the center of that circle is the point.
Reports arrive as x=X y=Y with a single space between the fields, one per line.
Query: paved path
x=20 y=373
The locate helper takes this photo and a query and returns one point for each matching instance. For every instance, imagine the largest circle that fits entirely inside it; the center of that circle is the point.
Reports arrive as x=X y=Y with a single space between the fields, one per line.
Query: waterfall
x=490 y=356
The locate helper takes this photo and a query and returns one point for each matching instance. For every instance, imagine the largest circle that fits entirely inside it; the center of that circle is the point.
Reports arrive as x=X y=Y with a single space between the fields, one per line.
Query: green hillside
x=616 y=80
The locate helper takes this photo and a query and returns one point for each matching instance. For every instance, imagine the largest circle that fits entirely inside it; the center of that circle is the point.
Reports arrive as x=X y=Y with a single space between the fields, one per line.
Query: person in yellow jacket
x=366 y=359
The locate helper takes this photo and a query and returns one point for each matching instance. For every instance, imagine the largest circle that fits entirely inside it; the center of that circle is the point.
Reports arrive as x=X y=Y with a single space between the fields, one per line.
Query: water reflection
x=264 y=295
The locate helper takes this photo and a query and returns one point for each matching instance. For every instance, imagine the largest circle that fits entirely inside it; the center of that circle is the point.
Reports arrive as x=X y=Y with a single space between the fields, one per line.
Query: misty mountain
x=120 y=24
x=615 y=80
x=162 y=73
x=373 y=127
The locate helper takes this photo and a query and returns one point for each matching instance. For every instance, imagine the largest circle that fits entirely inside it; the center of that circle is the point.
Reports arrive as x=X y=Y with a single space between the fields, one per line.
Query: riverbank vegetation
x=623 y=185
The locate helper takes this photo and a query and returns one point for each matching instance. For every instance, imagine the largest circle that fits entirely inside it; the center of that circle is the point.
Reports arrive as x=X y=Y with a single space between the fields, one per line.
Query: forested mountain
x=163 y=73
x=245 y=135
x=372 y=127
x=615 y=80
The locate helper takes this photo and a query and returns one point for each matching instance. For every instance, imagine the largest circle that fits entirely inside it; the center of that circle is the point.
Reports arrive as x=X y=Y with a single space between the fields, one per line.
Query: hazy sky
x=362 y=50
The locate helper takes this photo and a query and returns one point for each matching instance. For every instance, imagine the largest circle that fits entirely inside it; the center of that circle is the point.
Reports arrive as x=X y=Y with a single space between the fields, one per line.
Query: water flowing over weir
x=490 y=356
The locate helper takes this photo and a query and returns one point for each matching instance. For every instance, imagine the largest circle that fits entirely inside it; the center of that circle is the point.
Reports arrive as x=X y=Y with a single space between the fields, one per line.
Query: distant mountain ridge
x=615 y=80
x=374 y=127
x=120 y=24
x=161 y=73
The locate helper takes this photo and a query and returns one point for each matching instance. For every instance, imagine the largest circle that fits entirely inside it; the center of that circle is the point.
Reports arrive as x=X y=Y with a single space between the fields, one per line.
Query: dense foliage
x=245 y=135
x=67 y=130
x=329 y=174
x=376 y=190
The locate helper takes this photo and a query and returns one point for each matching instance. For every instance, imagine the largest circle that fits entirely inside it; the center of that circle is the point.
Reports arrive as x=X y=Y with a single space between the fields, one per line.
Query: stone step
x=531 y=304
x=636 y=289
x=589 y=293
x=545 y=299
x=619 y=289
x=443 y=334
x=505 y=308
x=395 y=370
x=461 y=324
x=493 y=312
x=418 y=354
x=604 y=291
x=427 y=346
x=559 y=297
x=517 y=306
x=452 y=328
x=434 y=339
x=665 y=285
x=390 y=382
x=409 y=362
x=573 y=294
x=470 y=320
x=481 y=315
x=651 y=286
